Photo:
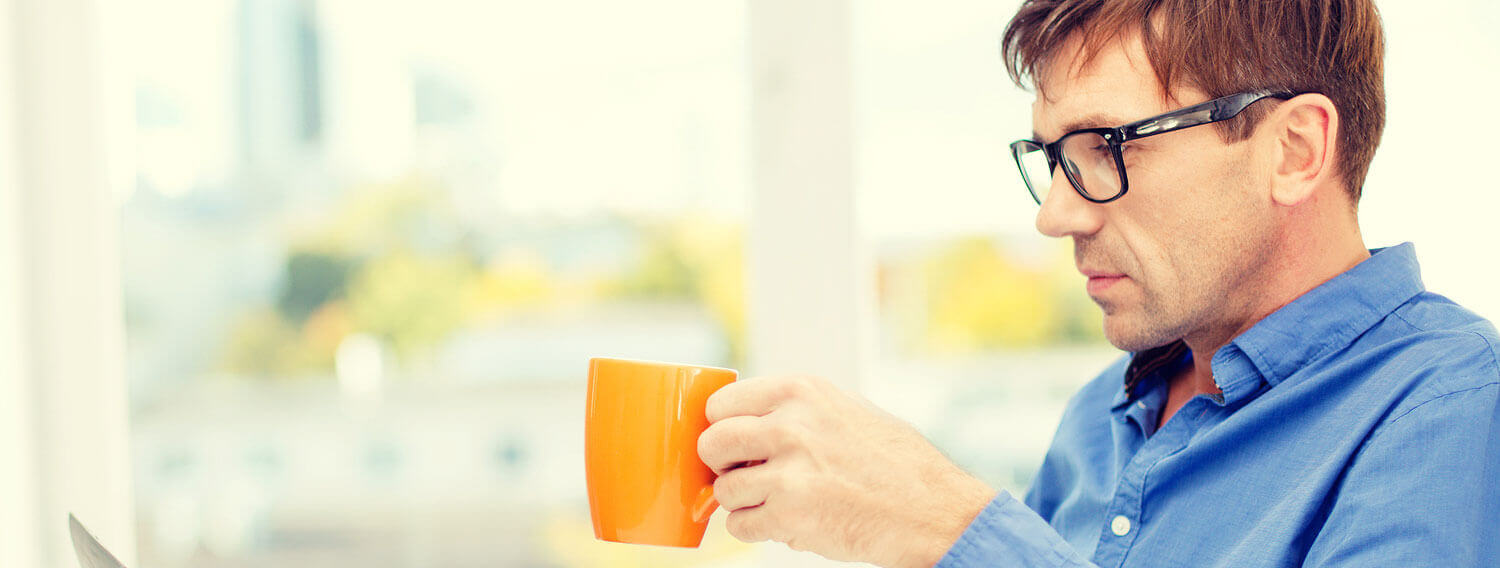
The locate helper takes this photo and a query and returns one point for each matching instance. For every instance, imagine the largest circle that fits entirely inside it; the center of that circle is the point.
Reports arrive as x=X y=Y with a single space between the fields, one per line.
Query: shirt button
x=1120 y=526
x=1140 y=404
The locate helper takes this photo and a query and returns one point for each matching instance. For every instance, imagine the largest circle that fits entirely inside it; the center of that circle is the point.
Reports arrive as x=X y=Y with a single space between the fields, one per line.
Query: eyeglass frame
x=1209 y=112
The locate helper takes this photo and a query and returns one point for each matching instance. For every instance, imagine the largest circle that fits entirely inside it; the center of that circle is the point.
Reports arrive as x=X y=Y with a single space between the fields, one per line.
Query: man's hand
x=803 y=463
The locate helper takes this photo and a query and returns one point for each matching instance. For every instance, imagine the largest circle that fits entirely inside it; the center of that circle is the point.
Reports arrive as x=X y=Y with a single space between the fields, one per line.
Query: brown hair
x=1221 y=47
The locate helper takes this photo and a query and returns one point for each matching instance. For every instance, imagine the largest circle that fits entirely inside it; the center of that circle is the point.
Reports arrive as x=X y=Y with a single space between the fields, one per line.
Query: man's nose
x=1065 y=213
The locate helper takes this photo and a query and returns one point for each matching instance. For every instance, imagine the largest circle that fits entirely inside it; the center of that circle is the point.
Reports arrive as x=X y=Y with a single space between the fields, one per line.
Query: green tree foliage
x=975 y=295
x=412 y=301
x=264 y=344
x=395 y=262
x=981 y=300
x=666 y=269
x=698 y=261
x=311 y=280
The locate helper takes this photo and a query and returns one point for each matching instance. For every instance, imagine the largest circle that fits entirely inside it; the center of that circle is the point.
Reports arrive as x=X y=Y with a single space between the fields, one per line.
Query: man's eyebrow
x=1096 y=120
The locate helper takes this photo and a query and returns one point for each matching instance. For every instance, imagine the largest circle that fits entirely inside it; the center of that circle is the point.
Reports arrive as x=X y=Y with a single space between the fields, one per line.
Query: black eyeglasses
x=1092 y=158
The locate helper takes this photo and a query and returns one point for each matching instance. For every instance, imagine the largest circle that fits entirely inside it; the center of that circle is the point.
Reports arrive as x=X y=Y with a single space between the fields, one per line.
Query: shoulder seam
x=1494 y=362
x=1494 y=359
x=1493 y=365
x=1431 y=400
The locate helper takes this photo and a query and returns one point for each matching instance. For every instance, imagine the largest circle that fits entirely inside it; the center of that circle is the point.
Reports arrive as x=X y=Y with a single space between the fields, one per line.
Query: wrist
x=961 y=503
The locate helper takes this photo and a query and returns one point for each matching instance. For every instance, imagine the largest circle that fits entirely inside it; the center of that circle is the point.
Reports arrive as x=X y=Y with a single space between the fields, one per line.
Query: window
x=372 y=246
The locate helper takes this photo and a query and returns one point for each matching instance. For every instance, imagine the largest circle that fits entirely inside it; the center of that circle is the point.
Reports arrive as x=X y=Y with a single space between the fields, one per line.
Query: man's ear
x=1304 y=131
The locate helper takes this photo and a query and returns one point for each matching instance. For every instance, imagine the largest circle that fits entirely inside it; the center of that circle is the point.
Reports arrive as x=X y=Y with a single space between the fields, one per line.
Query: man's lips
x=1100 y=280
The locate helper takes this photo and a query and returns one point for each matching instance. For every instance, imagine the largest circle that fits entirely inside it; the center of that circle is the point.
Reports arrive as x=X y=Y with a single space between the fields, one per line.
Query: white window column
x=18 y=531
x=811 y=283
x=64 y=446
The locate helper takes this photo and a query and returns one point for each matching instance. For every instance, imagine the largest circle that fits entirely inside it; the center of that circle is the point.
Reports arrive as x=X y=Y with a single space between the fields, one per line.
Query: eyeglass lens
x=1035 y=170
x=1091 y=165
x=1086 y=161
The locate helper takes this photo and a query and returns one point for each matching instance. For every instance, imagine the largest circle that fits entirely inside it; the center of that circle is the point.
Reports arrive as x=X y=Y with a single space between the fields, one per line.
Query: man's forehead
x=1110 y=86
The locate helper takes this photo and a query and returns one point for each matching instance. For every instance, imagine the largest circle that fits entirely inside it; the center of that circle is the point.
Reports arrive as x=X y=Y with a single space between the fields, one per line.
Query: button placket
x=1122 y=523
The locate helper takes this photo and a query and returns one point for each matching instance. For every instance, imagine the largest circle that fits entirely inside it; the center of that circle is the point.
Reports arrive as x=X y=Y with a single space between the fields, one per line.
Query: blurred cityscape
x=371 y=247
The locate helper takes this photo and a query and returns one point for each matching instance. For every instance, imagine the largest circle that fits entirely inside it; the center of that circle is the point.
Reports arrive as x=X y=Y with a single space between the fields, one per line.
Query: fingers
x=751 y=524
x=744 y=487
x=758 y=505
x=734 y=441
x=755 y=397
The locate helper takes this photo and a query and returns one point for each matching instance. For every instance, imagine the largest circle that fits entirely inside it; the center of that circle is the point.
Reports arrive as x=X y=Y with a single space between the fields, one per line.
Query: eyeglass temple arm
x=1212 y=111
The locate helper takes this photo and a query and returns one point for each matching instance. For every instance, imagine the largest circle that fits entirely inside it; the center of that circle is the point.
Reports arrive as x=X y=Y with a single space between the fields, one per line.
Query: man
x=1291 y=398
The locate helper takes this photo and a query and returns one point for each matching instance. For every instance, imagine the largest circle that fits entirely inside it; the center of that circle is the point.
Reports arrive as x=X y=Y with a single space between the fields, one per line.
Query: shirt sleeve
x=1007 y=533
x=1422 y=492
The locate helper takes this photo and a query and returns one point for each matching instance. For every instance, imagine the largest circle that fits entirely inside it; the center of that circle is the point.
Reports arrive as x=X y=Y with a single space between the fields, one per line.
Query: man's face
x=1183 y=251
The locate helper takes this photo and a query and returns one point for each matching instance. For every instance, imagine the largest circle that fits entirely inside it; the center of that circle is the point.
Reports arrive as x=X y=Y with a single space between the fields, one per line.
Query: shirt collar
x=1151 y=361
x=1333 y=314
x=1325 y=318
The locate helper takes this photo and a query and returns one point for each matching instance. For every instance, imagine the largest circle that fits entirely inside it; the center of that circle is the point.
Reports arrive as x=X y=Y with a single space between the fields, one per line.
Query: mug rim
x=653 y=362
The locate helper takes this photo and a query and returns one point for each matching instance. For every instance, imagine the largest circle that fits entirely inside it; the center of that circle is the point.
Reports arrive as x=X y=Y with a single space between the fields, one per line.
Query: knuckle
x=794 y=486
x=782 y=435
x=793 y=388
x=772 y=480
x=809 y=385
x=791 y=490
x=785 y=434
x=785 y=482
x=738 y=434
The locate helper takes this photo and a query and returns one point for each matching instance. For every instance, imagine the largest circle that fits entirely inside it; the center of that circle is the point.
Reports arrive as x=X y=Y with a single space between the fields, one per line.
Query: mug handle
x=704 y=507
x=706 y=503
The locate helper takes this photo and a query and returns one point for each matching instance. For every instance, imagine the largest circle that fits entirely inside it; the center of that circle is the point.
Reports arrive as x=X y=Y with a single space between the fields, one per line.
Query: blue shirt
x=1359 y=425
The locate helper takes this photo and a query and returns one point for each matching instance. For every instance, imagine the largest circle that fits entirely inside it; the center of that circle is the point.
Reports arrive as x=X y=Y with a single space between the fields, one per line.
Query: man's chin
x=1132 y=334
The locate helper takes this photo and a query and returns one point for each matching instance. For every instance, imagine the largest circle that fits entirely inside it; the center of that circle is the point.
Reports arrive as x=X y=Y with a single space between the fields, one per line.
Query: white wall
x=1433 y=181
x=18 y=531
x=63 y=397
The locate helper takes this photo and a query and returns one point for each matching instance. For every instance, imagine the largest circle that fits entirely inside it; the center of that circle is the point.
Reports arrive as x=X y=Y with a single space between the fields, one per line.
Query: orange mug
x=646 y=483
